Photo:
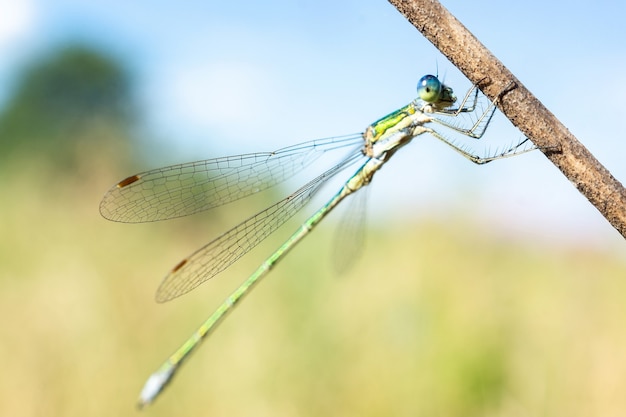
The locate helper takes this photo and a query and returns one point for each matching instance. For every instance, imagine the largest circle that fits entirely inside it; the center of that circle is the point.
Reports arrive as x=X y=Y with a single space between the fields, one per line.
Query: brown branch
x=523 y=109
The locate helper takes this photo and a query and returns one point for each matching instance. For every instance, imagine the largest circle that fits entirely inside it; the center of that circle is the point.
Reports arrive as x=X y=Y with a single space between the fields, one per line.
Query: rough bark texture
x=523 y=109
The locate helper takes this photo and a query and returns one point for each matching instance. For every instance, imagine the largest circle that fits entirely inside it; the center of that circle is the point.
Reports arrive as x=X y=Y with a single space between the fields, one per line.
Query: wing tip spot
x=179 y=265
x=127 y=181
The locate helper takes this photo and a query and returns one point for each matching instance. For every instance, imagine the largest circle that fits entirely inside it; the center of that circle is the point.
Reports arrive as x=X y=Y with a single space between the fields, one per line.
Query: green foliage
x=73 y=99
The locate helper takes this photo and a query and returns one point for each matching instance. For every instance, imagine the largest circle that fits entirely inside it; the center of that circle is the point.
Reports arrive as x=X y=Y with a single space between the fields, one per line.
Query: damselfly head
x=435 y=93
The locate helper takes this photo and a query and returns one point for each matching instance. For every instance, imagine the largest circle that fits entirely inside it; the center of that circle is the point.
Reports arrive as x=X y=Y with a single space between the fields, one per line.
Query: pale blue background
x=232 y=77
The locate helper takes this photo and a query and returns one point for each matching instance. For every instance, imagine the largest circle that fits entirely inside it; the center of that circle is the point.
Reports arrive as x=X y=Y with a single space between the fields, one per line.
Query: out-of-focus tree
x=67 y=106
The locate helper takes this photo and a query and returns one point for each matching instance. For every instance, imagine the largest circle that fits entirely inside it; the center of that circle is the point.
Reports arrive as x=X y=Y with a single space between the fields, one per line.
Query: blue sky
x=233 y=77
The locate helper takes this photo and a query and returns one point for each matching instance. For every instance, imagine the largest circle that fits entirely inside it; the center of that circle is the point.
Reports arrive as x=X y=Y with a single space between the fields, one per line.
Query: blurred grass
x=434 y=320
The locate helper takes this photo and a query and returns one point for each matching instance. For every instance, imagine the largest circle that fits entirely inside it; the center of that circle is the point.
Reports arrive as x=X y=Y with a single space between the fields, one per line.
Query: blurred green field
x=434 y=320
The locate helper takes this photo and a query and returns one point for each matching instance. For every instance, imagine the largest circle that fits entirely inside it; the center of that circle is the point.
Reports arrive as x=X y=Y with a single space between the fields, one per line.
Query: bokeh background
x=494 y=290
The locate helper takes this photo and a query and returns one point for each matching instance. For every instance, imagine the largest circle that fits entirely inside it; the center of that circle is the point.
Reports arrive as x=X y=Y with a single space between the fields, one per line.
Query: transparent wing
x=222 y=252
x=349 y=237
x=184 y=189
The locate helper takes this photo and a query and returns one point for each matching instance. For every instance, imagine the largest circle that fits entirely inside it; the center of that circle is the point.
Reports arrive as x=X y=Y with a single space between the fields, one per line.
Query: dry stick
x=523 y=109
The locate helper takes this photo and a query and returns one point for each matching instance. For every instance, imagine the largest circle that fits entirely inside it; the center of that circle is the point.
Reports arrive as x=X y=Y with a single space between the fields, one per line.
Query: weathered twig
x=523 y=109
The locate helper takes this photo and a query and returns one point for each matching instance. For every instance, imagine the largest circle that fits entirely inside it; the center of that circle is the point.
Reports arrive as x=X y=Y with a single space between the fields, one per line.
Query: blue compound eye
x=429 y=88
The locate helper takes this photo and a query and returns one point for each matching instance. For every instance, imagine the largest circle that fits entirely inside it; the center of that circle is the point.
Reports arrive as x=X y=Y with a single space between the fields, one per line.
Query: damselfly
x=184 y=189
